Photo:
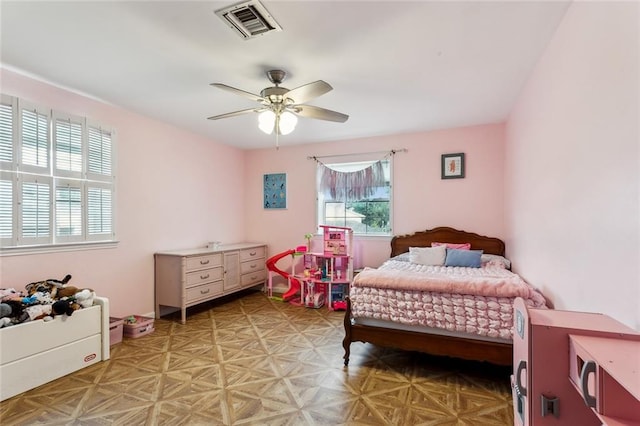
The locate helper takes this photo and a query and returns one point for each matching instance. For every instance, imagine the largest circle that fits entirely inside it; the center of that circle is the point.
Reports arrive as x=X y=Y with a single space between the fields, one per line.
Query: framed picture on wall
x=275 y=191
x=453 y=166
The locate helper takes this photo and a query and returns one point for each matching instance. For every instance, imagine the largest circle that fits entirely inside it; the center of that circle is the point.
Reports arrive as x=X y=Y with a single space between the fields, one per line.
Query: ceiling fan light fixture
x=267 y=121
x=287 y=122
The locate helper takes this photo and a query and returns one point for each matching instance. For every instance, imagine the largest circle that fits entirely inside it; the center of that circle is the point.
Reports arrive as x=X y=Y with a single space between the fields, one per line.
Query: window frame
x=53 y=177
x=321 y=202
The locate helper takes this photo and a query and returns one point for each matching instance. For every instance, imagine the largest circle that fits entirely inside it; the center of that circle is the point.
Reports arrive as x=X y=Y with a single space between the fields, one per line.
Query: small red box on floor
x=115 y=330
x=137 y=326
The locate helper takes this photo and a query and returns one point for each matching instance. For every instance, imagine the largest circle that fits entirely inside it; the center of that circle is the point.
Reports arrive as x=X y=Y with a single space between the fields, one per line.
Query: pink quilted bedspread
x=471 y=300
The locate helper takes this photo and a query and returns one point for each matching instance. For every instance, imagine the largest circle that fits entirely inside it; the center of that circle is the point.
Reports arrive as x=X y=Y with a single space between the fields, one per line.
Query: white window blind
x=68 y=212
x=34 y=131
x=6 y=207
x=99 y=211
x=6 y=130
x=35 y=210
x=67 y=139
x=100 y=153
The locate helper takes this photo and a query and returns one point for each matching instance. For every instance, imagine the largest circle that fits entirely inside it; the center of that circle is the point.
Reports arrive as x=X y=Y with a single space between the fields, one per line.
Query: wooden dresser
x=186 y=278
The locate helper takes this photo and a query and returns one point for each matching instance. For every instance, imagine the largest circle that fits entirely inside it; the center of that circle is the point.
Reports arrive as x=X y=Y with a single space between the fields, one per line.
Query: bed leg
x=346 y=342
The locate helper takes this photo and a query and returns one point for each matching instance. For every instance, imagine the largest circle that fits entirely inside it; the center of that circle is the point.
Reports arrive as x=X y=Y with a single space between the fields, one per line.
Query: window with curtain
x=355 y=194
x=56 y=178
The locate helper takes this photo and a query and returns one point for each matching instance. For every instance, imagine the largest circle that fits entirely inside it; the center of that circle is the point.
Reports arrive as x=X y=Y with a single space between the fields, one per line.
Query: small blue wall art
x=275 y=191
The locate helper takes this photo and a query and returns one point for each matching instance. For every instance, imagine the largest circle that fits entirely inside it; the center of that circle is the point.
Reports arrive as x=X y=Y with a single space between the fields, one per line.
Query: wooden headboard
x=401 y=243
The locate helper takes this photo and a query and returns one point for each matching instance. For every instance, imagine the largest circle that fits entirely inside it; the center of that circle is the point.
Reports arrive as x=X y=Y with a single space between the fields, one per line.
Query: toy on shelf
x=314 y=296
x=335 y=242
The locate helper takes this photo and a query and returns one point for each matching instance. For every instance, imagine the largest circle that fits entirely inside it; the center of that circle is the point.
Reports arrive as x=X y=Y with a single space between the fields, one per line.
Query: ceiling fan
x=279 y=106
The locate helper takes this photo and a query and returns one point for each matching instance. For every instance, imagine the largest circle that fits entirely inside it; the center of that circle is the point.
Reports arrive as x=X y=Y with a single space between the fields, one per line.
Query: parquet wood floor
x=249 y=360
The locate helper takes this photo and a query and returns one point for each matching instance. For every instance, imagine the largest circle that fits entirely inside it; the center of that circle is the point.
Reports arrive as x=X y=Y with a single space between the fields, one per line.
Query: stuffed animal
x=10 y=294
x=5 y=310
x=66 y=291
x=39 y=297
x=50 y=286
x=15 y=311
x=38 y=311
x=64 y=306
x=85 y=297
x=10 y=308
x=59 y=289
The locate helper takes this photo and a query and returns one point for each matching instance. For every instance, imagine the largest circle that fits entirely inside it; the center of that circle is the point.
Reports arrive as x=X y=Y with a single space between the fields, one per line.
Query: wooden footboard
x=456 y=347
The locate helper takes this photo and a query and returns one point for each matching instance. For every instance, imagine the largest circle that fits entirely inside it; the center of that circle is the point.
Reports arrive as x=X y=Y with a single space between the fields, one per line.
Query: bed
x=389 y=306
x=36 y=352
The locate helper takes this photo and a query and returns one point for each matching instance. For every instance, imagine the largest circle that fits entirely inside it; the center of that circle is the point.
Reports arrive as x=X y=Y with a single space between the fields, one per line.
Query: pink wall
x=173 y=192
x=572 y=161
x=422 y=199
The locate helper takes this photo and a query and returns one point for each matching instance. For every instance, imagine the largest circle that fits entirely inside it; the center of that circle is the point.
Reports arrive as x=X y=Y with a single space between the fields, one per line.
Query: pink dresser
x=544 y=392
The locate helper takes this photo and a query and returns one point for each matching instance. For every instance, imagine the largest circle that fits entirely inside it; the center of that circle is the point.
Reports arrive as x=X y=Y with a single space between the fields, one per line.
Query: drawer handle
x=253 y=253
x=589 y=367
x=204 y=262
x=520 y=390
x=205 y=291
x=253 y=266
x=253 y=277
x=204 y=277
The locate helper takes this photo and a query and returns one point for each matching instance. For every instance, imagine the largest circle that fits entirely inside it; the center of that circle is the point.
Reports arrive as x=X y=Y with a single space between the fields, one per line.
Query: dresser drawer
x=252 y=266
x=252 y=253
x=204 y=291
x=204 y=276
x=253 y=278
x=202 y=262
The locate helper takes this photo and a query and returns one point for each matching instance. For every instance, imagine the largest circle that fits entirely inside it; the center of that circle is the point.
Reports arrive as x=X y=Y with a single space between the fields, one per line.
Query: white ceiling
x=396 y=67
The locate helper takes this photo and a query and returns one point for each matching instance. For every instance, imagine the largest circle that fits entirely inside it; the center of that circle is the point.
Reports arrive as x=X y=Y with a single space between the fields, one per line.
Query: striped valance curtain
x=351 y=185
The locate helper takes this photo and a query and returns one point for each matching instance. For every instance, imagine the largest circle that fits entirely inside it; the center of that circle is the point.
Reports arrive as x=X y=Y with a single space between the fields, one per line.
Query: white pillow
x=428 y=255
x=495 y=260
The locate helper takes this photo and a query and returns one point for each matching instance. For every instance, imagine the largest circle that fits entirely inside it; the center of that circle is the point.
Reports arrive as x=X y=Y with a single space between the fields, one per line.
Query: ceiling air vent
x=249 y=19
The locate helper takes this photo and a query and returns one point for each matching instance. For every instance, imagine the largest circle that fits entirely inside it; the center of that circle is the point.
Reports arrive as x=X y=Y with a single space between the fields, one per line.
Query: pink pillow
x=461 y=246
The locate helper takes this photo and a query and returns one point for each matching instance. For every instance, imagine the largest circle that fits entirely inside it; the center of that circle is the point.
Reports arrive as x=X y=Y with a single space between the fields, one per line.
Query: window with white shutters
x=67 y=139
x=99 y=210
x=34 y=139
x=35 y=209
x=57 y=180
x=7 y=202
x=68 y=212
x=100 y=153
x=7 y=111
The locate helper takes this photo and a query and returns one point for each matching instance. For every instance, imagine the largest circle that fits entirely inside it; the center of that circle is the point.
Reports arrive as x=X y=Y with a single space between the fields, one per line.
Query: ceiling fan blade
x=310 y=111
x=235 y=113
x=240 y=92
x=309 y=91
